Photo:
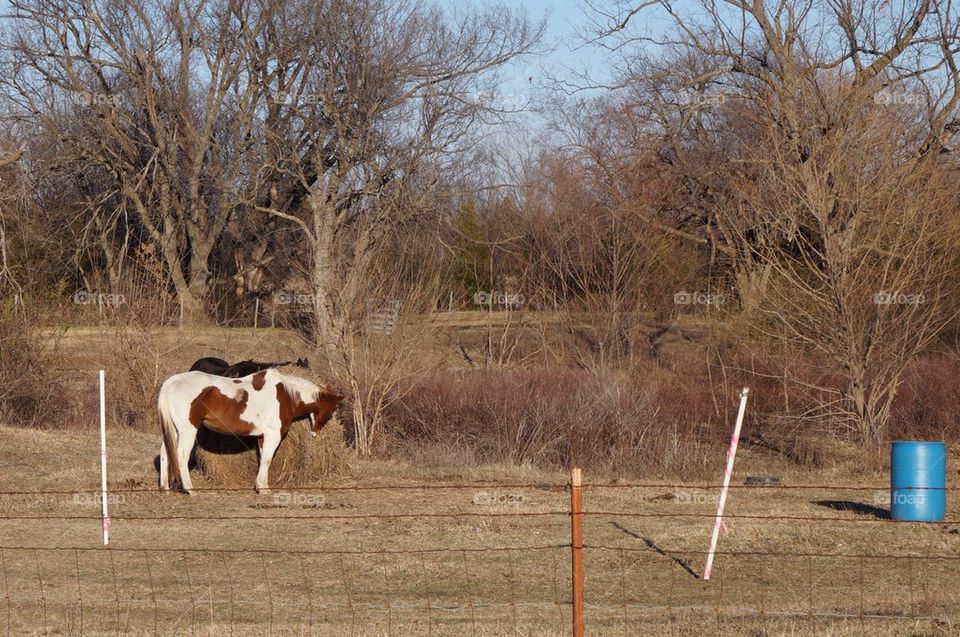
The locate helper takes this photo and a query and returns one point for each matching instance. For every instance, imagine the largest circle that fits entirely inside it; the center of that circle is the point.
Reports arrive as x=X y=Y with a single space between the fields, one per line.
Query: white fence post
x=731 y=454
x=105 y=516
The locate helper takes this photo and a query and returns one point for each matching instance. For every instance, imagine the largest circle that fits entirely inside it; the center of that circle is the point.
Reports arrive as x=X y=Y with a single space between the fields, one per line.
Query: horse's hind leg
x=164 y=467
x=188 y=436
x=268 y=446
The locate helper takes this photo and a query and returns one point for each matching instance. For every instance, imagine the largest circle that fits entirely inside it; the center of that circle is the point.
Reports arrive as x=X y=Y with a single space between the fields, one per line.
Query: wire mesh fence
x=473 y=559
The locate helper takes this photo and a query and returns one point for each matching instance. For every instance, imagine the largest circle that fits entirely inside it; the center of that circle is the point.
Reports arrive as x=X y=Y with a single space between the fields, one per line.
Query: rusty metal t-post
x=576 y=548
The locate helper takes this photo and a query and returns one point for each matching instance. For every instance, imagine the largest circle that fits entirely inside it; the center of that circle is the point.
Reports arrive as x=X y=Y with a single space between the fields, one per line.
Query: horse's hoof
x=263 y=491
x=190 y=492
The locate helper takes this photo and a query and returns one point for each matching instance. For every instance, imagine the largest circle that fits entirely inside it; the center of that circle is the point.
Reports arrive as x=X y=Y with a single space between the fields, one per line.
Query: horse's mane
x=295 y=385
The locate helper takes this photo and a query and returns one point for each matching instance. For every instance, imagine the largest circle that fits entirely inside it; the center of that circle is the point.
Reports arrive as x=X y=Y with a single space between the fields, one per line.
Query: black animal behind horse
x=210 y=365
x=220 y=367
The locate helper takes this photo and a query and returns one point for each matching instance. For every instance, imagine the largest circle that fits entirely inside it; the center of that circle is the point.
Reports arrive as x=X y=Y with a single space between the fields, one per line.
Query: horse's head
x=308 y=399
x=324 y=404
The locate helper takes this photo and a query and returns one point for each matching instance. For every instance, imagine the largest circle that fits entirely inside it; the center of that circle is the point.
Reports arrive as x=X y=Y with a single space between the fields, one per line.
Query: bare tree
x=151 y=99
x=608 y=273
x=834 y=172
x=7 y=278
x=372 y=97
x=391 y=342
x=689 y=83
x=868 y=279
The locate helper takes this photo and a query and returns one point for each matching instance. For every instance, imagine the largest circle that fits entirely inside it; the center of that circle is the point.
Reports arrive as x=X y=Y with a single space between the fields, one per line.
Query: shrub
x=558 y=418
x=30 y=394
x=927 y=406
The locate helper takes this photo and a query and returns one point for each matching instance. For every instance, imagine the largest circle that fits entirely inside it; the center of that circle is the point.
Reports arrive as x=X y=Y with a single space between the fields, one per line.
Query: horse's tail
x=169 y=432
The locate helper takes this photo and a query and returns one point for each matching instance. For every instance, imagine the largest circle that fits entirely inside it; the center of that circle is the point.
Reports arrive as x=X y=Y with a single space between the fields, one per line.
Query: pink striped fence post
x=731 y=454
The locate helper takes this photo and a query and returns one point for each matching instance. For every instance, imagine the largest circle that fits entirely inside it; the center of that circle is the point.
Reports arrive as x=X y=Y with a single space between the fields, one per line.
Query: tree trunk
x=870 y=424
x=751 y=280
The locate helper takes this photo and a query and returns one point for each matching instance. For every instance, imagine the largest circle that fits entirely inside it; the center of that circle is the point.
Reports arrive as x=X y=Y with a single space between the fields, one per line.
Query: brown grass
x=631 y=588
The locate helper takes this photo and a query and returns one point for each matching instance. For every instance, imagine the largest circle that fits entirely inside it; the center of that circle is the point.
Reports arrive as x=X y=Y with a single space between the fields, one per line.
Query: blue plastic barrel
x=918 y=472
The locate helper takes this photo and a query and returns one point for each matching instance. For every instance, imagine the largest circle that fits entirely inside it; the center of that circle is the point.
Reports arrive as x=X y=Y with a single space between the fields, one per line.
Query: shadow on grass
x=651 y=544
x=193 y=461
x=854 y=507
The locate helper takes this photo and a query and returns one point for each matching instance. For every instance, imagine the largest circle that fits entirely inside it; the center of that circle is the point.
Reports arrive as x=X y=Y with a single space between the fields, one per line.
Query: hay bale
x=300 y=461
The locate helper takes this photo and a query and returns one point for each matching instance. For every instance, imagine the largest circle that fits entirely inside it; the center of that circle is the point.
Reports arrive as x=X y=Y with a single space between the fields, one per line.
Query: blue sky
x=565 y=18
x=521 y=83
x=570 y=58
x=526 y=82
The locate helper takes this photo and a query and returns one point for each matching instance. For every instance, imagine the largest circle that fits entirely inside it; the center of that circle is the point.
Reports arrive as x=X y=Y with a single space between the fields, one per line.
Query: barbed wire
x=524 y=586
x=543 y=486
x=281 y=518
x=390 y=487
x=557 y=487
x=449 y=549
x=754 y=553
x=786 y=487
x=867 y=518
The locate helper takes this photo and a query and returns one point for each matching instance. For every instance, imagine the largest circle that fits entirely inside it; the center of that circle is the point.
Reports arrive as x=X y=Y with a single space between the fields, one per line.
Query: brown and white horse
x=263 y=405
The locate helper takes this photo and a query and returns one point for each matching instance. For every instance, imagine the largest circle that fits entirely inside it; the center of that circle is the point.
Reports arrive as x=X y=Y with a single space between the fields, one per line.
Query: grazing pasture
x=514 y=244
x=388 y=548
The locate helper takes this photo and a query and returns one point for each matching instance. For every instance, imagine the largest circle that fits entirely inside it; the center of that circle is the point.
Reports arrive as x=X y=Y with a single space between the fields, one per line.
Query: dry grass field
x=516 y=241
x=487 y=558
x=436 y=543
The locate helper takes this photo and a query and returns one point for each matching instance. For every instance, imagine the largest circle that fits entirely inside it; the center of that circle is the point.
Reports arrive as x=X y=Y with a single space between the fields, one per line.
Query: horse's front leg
x=268 y=446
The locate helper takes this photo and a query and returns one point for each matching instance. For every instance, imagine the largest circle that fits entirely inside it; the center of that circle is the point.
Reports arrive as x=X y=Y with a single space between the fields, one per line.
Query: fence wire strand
x=396 y=586
x=542 y=486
